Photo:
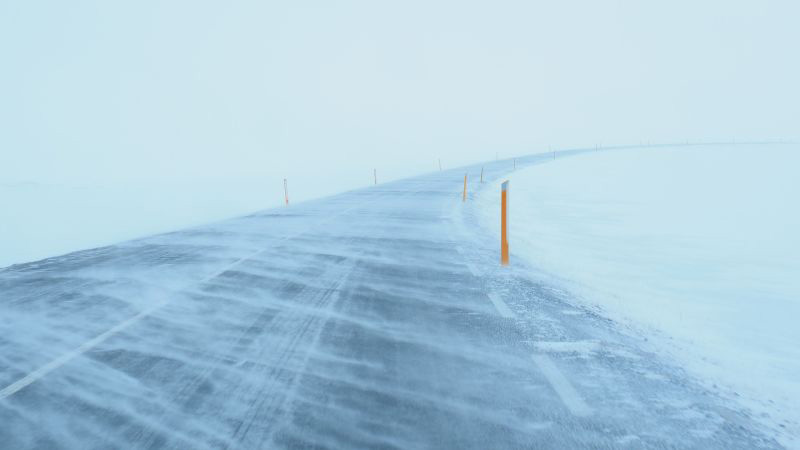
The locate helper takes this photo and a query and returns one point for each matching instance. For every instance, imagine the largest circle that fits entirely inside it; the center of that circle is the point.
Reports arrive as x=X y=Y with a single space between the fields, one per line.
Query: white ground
x=695 y=246
x=39 y=220
x=43 y=220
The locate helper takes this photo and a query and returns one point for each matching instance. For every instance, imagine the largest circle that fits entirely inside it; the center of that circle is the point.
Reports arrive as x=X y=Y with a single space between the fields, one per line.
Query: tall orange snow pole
x=504 y=224
x=464 y=198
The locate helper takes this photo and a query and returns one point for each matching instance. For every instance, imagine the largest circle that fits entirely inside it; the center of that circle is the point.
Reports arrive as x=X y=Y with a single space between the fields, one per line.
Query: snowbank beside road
x=699 y=244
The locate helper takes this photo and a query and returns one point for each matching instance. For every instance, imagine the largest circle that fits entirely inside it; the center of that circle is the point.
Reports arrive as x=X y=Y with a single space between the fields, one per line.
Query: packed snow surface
x=697 y=246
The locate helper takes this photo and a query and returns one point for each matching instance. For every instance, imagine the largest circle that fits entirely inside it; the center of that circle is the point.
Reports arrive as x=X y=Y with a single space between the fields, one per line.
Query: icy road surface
x=374 y=318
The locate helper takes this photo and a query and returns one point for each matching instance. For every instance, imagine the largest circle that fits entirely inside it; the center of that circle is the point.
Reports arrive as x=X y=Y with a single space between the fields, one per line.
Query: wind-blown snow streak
x=88 y=345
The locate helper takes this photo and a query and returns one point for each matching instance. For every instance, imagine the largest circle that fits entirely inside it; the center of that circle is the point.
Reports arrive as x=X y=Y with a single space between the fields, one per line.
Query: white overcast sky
x=152 y=90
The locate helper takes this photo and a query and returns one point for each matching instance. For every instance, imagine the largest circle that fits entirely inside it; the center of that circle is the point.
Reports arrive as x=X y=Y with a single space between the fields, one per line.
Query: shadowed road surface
x=377 y=318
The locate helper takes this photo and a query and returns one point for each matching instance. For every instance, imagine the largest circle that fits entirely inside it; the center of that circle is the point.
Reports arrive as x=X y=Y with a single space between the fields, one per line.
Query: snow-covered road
x=375 y=318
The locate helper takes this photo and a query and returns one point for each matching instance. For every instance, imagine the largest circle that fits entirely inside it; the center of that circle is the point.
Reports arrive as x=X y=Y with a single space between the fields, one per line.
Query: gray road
x=377 y=318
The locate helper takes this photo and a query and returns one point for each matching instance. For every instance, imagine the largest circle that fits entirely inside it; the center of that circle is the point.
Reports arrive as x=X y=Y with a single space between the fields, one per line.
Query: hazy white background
x=170 y=113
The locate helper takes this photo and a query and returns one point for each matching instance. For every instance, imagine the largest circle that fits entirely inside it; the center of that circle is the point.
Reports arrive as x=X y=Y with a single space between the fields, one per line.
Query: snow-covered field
x=43 y=220
x=697 y=247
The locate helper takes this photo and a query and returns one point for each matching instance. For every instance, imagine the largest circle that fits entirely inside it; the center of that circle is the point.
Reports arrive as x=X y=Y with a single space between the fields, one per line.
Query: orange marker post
x=464 y=198
x=286 y=191
x=504 y=224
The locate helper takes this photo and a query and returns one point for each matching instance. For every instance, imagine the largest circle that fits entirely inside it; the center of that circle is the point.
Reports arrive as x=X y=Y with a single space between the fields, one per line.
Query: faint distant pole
x=375 y=174
x=515 y=163
x=481 y=174
x=440 y=164
x=286 y=191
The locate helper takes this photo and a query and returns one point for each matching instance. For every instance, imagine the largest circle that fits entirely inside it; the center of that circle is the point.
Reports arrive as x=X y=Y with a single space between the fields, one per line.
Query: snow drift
x=697 y=246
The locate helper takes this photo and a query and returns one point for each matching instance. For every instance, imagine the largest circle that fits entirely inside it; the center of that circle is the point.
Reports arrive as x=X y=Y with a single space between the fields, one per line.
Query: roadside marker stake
x=440 y=164
x=286 y=191
x=504 y=224
x=465 y=189
x=375 y=173
x=481 y=174
x=515 y=163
